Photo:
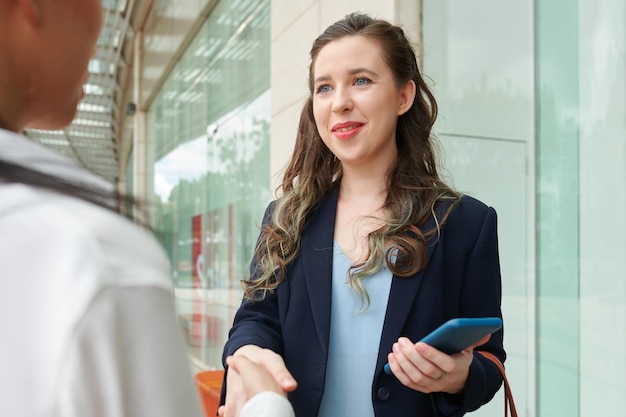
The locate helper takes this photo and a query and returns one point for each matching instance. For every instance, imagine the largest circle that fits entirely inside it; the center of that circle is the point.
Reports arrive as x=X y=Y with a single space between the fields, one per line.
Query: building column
x=140 y=148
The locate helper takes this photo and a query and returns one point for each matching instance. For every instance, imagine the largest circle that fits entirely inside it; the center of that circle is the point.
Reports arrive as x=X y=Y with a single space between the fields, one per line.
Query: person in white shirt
x=86 y=307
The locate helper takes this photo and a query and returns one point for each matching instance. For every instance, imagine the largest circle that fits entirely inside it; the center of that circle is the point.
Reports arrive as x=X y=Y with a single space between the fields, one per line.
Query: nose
x=342 y=102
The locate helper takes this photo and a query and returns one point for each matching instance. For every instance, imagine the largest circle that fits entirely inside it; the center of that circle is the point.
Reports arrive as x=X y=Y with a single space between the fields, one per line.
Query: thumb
x=285 y=379
x=276 y=367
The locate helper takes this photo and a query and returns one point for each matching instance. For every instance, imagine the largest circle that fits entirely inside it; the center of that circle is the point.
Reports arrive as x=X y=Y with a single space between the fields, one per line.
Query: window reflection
x=209 y=132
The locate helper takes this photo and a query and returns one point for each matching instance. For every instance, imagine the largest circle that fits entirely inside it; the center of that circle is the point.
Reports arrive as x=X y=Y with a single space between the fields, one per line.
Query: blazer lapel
x=317 y=262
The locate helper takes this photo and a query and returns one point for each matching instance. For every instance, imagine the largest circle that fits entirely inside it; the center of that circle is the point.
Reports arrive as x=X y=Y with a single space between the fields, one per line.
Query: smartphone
x=456 y=334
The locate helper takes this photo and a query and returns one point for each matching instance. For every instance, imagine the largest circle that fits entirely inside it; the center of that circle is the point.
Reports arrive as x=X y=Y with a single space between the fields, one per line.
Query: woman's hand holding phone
x=440 y=361
x=424 y=368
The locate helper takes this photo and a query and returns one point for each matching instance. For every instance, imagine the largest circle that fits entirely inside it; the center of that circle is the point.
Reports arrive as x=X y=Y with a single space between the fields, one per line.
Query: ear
x=407 y=95
x=20 y=21
x=31 y=10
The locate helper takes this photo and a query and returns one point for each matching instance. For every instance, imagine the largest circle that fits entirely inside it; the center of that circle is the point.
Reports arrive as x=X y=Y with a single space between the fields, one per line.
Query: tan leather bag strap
x=509 y=404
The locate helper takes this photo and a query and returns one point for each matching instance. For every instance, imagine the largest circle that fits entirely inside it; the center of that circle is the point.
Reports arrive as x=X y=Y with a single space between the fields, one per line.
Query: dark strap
x=509 y=404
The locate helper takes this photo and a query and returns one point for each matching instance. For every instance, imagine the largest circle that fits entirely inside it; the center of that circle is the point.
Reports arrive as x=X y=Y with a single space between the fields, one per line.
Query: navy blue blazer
x=462 y=279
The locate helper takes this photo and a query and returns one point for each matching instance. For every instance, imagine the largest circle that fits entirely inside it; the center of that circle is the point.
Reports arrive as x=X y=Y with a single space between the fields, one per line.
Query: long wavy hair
x=413 y=184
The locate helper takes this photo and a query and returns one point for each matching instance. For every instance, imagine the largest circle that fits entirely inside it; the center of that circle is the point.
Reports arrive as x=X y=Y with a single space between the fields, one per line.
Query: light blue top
x=354 y=341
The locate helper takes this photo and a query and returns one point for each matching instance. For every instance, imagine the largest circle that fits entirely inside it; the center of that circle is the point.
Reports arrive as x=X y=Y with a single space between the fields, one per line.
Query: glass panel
x=557 y=208
x=479 y=54
x=602 y=73
x=209 y=128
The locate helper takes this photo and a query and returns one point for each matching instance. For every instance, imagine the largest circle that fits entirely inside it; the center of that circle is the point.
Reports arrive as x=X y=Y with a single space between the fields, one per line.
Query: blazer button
x=383 y=393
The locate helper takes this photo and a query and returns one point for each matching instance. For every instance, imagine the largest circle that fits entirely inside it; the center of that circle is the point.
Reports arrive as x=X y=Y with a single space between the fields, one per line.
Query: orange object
x=209 y=385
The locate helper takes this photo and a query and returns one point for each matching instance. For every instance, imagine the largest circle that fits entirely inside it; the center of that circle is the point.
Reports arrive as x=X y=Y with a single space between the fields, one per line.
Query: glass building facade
x=209 y=133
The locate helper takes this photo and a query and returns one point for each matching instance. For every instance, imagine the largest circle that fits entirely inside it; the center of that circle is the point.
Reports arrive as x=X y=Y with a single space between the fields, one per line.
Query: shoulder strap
x=509 y=404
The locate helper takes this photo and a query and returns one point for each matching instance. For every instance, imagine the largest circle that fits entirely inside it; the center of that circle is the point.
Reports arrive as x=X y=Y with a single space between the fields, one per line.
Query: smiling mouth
x=347 y=128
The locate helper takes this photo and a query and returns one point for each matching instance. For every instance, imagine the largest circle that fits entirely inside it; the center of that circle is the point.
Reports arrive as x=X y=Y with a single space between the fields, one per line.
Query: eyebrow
x=350 y=72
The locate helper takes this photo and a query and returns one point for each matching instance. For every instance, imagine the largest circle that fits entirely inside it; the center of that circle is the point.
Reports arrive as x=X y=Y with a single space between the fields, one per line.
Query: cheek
x=91 y=18
x=97 y=15
x=320 y=123
x=318 y=115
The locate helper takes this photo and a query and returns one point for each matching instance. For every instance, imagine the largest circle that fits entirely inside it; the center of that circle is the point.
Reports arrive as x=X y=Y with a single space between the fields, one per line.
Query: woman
x=86 y=307
x=368 y=250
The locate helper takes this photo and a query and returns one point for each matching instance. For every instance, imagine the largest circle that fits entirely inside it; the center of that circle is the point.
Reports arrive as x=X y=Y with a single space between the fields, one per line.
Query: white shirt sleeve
x=267 y=404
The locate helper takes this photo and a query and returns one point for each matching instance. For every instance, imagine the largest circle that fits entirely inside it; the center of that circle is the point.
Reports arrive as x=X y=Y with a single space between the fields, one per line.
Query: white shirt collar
x=20 y=150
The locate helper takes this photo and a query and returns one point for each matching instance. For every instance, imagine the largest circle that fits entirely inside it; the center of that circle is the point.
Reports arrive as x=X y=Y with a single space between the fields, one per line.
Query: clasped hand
x=251 y=371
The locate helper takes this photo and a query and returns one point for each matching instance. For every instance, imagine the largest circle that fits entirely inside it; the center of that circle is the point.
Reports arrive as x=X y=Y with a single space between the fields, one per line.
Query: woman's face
x=356 y=102
x=68 y=34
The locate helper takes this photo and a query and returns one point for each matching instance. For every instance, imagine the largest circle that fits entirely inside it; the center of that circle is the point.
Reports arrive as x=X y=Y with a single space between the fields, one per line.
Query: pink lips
x=346 y=130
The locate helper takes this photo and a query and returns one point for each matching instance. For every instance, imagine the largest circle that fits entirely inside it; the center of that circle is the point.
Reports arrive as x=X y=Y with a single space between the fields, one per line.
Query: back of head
x=45 y=50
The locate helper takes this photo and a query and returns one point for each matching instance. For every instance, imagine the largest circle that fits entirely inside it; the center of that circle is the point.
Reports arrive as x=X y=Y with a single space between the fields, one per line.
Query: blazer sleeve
x=480 y=294
x=256 y=322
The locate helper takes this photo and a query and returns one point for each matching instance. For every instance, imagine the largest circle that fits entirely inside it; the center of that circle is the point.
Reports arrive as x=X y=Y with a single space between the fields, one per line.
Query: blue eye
x=362 y=81
x=324 y=88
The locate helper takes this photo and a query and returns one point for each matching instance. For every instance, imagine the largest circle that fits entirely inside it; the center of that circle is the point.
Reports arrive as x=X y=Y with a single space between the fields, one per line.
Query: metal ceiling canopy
x=92 y=139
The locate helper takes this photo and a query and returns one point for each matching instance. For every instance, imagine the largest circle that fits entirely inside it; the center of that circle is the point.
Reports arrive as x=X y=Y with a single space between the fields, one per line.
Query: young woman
x=86 y=308
x=367 y=250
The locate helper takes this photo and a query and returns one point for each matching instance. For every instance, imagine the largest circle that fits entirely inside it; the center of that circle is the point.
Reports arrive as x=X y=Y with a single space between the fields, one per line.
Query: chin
x=55 y=121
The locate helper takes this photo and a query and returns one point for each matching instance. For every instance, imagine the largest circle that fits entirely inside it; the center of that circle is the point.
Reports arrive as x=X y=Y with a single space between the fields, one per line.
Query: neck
x=6 y=126
x=367 y=181
x=8 y=112
x=12 y=105
x=367 y=191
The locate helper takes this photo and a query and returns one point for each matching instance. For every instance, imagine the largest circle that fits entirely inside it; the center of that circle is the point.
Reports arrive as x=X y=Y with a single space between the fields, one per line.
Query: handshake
x=253 y=391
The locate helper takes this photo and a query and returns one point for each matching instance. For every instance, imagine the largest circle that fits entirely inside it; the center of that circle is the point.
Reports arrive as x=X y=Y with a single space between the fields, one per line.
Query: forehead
x=347 y=53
